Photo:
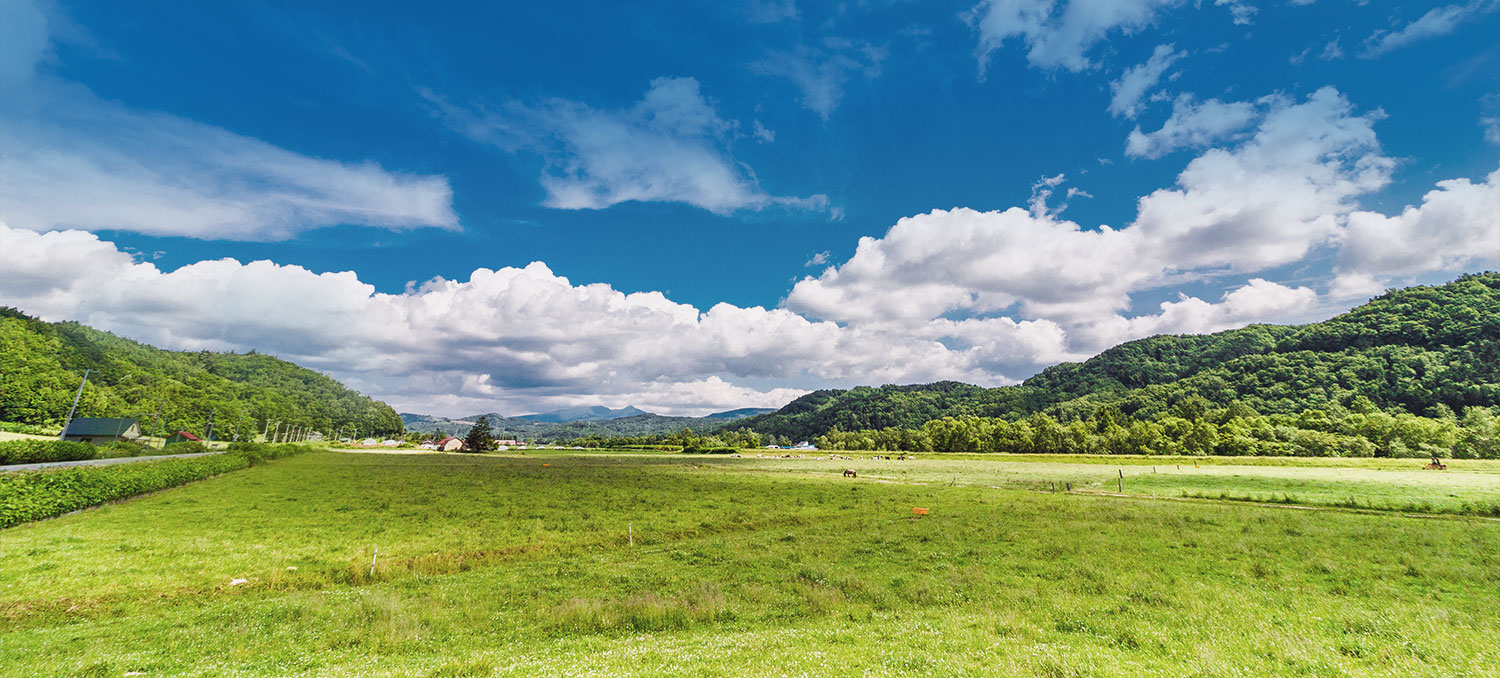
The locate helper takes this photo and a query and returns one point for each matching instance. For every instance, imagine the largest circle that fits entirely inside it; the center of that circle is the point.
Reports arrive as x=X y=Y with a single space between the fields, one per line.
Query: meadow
x=656 y=564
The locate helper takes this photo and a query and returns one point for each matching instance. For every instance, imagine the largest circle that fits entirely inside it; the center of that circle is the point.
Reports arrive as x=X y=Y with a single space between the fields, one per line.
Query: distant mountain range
x=578 y=422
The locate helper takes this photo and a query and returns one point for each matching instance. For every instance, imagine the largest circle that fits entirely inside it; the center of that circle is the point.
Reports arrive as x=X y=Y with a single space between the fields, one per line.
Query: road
x=100 y=462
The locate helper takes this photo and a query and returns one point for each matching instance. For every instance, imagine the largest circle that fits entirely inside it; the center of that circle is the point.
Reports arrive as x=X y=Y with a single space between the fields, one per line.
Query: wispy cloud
x=1137 y=80
x=73 y=159
x=820 y=72
x=1056 y=34
x=1437 y=21
x=671 y=146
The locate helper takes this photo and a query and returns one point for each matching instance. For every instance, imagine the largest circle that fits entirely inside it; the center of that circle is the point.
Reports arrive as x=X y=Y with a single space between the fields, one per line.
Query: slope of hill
x=43 y=363
x=1420 y=350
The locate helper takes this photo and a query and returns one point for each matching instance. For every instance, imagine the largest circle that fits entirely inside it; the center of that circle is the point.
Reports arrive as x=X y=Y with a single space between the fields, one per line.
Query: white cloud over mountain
x=986 y=297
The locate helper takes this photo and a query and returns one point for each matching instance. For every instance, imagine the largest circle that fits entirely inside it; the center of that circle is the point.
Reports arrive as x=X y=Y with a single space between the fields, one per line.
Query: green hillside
x=42 y=364
x=1419 y=350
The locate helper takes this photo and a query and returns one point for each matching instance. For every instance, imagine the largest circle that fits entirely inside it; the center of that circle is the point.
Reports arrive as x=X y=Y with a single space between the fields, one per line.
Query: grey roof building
x=102 y=430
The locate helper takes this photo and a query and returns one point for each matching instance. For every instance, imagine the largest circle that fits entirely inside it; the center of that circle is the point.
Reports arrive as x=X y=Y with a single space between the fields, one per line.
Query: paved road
x=100 y=462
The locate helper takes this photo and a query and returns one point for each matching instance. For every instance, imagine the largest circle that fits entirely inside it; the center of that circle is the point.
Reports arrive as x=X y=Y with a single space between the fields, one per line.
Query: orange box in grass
x=918 y=511
x=545 y=465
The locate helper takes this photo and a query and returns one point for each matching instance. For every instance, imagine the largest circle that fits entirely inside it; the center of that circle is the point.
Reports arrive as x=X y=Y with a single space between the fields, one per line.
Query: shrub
x=33 y=495
x=40 y=451
x=184 y=447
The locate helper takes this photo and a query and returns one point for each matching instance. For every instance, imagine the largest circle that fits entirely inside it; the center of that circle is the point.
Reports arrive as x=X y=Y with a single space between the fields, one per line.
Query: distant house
x=102 y=431
x=508 y=443
x=450 y=444
x=183 y=437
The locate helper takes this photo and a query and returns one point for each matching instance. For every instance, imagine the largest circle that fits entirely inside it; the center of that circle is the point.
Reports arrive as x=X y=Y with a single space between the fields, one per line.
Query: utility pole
x=208 y=434
x=74 y=408
x=239 y=426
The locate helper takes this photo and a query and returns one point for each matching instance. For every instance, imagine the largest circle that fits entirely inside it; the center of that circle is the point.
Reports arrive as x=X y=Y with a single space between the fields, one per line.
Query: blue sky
x=696 y=179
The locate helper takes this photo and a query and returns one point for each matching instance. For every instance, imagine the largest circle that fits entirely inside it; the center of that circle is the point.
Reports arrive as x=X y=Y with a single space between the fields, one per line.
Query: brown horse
x=850 y=473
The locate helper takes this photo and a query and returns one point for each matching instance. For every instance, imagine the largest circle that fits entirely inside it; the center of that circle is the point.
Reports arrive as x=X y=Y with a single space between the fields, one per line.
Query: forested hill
x=42 y=364
x=1420 y=350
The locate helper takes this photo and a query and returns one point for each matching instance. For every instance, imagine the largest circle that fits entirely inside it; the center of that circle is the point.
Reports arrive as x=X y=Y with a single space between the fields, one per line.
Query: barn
x=102 y=431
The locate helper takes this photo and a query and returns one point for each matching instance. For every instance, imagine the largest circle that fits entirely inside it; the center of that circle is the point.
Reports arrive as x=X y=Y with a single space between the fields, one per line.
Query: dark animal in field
x=851 y=473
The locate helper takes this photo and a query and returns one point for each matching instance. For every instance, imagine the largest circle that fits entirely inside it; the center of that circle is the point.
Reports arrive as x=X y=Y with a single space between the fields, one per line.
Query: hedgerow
x=34 y=495
x=41 y=451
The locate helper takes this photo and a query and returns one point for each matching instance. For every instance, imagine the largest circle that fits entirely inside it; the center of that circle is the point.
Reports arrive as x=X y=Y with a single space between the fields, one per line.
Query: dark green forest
x=1429 y=352
x=41 y=365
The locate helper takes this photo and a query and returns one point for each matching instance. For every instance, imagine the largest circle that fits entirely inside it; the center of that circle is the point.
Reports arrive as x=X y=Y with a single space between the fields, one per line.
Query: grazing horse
x=850 y=473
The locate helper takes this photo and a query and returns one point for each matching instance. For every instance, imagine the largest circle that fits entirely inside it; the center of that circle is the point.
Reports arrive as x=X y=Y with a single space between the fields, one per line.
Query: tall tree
x=480 y=438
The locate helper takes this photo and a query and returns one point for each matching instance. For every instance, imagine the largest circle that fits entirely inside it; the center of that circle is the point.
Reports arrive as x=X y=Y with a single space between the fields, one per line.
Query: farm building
x=183 y=437
x=450 y=444
x=102 y=430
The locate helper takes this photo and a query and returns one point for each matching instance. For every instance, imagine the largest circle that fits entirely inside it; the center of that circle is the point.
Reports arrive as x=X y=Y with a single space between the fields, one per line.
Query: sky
x=690 y=207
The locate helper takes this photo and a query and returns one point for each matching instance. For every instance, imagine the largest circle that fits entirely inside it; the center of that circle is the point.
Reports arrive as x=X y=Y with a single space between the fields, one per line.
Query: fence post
x=1122 y=480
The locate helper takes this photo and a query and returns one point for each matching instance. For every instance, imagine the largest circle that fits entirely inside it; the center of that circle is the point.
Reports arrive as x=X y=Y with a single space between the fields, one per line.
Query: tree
x=479 y=438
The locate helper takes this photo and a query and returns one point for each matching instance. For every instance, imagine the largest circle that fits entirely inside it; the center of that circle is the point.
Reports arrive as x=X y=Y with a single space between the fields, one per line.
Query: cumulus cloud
x=1057 y=34
x=671 y=146
x=1456 y=228
x=1136 y=81
x=73 y=159
x=1436 y=22
x=1267 y=201
x=821 y=72
x=1194 y=124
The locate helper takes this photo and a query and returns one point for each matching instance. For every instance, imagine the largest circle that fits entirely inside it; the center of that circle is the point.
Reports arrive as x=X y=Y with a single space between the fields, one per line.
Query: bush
x=121 y=448
x=184 y=447
x=29 y=429
x=33 y=495
x=41 y=451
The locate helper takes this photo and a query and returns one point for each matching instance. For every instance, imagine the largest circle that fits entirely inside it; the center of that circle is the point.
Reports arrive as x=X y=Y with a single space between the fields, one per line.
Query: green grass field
x=524 y=565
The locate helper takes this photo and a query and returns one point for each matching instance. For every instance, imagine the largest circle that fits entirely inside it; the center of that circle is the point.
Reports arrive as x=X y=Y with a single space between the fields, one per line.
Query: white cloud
x=1242 y=12
x=1436 y=22
x=1456 y=228
x=1137 y=80
x=1490 y=120
x=1194 y=124
x=73 y=159
x=1265 y=202
x=821 y=72
x=818 y=259
x=1057 y=34
x=671 y=146
x=763 y=134
x=1332 y=51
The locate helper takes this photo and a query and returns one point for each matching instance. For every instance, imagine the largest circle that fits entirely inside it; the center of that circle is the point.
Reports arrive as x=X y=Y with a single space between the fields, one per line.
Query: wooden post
x=1122 y=480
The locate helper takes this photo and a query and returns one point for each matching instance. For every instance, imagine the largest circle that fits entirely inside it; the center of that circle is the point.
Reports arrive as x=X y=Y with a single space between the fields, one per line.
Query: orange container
x=545 y=465
x=918 y=511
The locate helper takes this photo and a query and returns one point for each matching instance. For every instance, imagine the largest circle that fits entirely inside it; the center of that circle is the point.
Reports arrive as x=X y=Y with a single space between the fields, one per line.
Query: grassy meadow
x=570 y=564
